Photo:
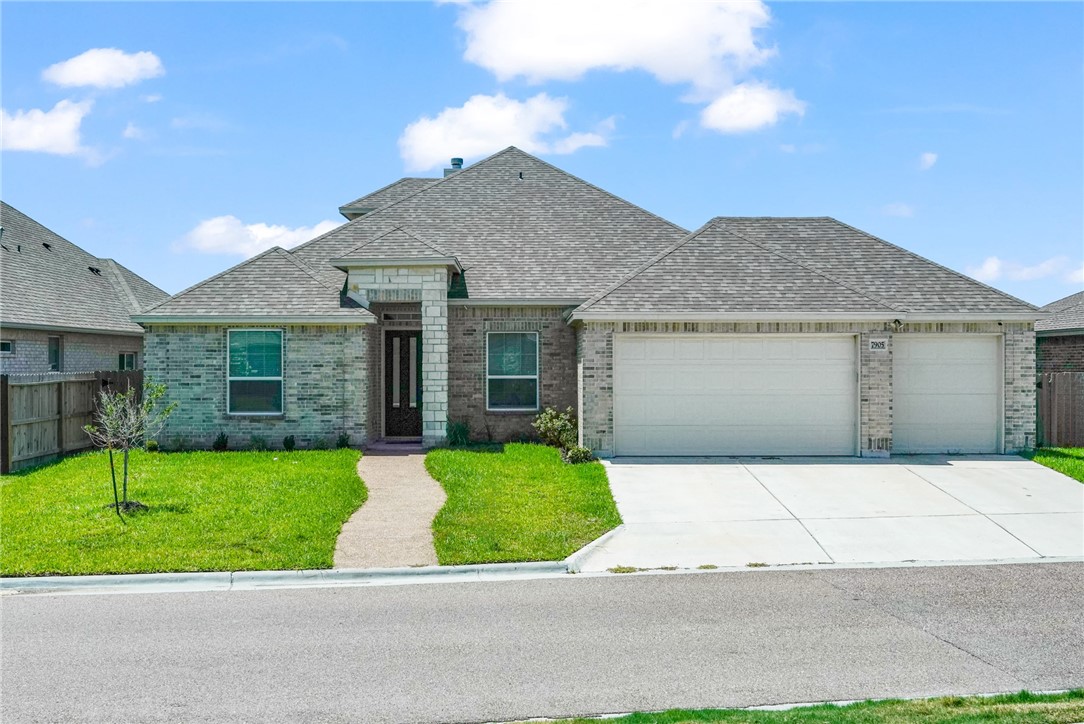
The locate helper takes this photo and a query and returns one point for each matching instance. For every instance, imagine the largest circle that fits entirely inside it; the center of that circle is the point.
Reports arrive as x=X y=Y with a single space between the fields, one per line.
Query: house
x=63 y=309
x=1060 y=336
x=511 y=285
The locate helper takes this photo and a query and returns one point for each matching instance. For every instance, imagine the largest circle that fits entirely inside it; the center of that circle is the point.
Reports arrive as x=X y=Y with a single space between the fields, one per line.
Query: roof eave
x=347 y=263
x=65 y=328
x=510 y=302
x=211 y=319
x=1067 y=332
x=890 y=316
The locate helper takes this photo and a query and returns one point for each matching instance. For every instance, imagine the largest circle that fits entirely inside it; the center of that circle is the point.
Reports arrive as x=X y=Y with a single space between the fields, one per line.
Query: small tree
x=125 y=422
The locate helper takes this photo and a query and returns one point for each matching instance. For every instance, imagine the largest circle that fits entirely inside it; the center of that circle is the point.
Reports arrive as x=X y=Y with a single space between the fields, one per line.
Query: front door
x=402 y=383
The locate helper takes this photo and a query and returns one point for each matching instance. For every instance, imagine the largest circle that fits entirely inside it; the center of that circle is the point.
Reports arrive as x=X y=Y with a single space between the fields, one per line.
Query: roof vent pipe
x=457 y=165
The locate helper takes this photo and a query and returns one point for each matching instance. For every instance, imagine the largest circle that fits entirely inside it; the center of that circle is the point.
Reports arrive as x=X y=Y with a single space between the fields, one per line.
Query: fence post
x=5 y=426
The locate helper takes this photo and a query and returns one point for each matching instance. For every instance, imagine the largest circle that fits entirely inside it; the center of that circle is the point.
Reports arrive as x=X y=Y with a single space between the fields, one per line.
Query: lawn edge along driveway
x=517 y=502
x=207 y=511
x=1066 y=460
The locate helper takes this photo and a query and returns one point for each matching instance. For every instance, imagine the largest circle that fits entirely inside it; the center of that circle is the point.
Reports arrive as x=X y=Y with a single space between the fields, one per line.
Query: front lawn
x=1068 y=460
x=517 y=502
x=207 y=511
x=1022 y=708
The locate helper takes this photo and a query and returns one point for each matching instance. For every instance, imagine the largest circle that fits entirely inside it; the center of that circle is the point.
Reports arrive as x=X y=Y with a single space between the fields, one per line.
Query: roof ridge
x=388 y=186
x=930 y=261
x=305 y=268
x=118 y=281
x=403 y=228
x=210 y=279
x=813 y=269
x=1066 y=298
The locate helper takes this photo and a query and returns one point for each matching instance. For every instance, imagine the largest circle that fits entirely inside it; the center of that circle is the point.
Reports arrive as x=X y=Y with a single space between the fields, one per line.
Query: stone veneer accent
x=325 y=385
x=427 y=285
x=467 y=327
x=80 y=351
x=1060 y=353
x=594 y=357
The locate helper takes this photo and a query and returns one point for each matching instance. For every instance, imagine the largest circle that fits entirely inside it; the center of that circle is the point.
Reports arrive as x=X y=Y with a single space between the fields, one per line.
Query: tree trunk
x=125 y=476
x=113 y=472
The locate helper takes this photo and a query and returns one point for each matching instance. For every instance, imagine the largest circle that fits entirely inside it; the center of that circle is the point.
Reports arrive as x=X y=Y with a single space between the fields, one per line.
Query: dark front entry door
x=402 y=383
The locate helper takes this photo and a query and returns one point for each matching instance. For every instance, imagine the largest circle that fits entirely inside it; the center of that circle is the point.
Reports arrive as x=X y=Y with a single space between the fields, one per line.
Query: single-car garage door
x=734 y=395
x=947 y=393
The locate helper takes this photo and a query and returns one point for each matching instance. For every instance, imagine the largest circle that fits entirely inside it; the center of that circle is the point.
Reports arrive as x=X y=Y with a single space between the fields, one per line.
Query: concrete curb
x=254 y=580
x=575 y=561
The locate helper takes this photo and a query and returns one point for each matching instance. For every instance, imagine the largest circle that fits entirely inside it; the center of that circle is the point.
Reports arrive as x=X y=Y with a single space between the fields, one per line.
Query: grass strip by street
x=207 y=511
x=1022 y=708
x=1067 y=460
x=517 y=502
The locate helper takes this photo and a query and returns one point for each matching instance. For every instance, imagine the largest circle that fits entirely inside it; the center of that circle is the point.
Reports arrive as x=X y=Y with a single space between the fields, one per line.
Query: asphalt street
x=541 y=648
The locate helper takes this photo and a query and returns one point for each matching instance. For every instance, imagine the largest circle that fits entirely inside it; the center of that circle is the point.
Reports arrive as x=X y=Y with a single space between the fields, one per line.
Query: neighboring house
x=511 y=286
x=1060 y=336
x=62 y=309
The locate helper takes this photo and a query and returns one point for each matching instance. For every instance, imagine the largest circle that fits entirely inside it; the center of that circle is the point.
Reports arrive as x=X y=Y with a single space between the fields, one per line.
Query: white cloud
x=485 y=124
x=104 y=68
x=994 y=268
x=899 y=209
x=749 y=106
x=54 y=131
x=151 y=98
x=1075 y=276
x=709 y=46
x=228 y=235
x=199 y=122
x=927 y=160
x=134 y=132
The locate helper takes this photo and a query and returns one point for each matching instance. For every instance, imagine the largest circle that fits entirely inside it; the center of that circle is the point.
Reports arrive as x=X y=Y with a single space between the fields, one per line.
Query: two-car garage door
x=797 y=395
x=734 y=395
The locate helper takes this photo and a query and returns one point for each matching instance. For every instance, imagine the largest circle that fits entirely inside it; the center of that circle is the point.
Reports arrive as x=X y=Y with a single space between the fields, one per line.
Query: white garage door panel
x=735 y=395
x=946 y=392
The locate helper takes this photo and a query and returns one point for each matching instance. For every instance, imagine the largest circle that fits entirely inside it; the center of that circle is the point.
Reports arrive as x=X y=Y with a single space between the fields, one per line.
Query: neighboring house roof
x=382 y=197
x=795 y=265
x=521 y=228
x=56 y=287
x=1066 y=316
x=273 y=286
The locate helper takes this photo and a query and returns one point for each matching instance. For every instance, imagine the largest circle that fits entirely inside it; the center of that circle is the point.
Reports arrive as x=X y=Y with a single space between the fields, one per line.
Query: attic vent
x=95 y=270
x=402 y=316
x=47 y=245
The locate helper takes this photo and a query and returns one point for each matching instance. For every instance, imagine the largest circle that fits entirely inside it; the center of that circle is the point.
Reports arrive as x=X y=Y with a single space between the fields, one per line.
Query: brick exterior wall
x=1062 y=353
x=325 y=385
x=594 y=357
x=80 y=352
x=467 y=328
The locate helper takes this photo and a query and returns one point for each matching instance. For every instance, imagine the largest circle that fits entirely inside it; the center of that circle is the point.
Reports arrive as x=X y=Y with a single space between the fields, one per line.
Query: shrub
x=557 y=429
x=152 y=446
x=257 y=443
x=221 y=443
x=458 y=434
x=577 y=454
x=289 y=443
x=319 y=444
x=343 y=440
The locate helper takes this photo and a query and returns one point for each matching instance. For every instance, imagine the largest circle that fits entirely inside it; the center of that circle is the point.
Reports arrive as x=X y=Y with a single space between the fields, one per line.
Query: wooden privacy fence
x=42 y=416
x=1061 y=409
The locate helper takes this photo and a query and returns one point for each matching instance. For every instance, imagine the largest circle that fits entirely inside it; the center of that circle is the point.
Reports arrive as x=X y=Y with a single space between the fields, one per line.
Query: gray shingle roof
x=397 y=243
x=1065 y=314
x=273 y=285
x=389 y=194
x=806 y=265
x=521 y=228
x=55 y=287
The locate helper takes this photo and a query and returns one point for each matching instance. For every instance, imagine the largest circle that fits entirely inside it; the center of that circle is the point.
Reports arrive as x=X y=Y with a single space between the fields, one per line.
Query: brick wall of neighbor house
x=594 y=355
x=325 y=385
x=429 y=287
x=1061 y=353
x=80 y=352
x=467 y=328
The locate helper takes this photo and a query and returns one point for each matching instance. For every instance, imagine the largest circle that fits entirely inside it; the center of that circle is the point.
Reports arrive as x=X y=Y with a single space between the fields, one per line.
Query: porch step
x=394 y=446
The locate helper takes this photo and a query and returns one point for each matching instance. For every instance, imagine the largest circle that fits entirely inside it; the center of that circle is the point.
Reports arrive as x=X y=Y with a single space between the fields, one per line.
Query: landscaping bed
x=517 y=502
x=206 y=511
x=1068 y=460
x=1022 y=708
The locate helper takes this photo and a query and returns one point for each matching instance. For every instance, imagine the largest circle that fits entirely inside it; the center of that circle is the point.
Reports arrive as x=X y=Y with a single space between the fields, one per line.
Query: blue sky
x=179 y=138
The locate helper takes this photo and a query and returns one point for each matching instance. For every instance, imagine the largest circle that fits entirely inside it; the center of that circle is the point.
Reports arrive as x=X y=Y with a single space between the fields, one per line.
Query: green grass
x=517 y=503
x=208 y=511
x=1068 y=460
x=1022 y=708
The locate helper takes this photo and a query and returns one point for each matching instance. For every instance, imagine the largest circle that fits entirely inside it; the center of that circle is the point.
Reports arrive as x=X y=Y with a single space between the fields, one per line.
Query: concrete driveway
x=691 y=512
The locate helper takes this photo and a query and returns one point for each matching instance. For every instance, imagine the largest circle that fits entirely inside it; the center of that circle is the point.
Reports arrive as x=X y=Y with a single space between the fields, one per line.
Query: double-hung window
x=512 y=371
x=255 y=371
x=127 y=361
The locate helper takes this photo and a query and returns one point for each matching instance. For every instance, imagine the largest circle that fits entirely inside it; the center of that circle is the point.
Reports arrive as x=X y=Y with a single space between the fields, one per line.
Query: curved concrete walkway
x=394 y=526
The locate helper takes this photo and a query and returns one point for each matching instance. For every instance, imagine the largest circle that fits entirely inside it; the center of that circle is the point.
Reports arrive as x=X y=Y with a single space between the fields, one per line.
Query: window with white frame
x=512 y=371
x=255 y=371
x=127 y=361
x=7 y=346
